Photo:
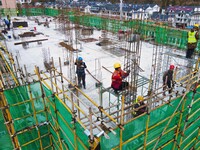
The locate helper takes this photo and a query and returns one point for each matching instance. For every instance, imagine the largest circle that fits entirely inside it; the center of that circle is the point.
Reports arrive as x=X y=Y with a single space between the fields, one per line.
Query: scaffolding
x=43 y=115
x=42 y=112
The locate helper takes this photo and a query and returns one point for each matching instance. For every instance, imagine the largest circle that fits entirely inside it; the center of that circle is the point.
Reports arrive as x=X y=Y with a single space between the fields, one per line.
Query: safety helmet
x=80 y=58
x=196 y=25
x=140 y=98
x=171 y=67
x=117 y=65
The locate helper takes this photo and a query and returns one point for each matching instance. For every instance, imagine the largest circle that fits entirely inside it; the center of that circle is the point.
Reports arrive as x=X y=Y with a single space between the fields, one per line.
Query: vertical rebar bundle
x=132 y=62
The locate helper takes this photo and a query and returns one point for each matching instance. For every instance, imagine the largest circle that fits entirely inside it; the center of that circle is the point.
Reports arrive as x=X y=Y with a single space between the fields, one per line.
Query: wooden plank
x=30 y=41
x=27 y=34
x=69 y=47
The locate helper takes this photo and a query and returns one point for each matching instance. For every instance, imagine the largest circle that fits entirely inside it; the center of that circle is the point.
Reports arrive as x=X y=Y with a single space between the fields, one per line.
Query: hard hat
x=140 y=98
x=117 y=65
x=196 y=25
x=171 y=67
x=80 y=58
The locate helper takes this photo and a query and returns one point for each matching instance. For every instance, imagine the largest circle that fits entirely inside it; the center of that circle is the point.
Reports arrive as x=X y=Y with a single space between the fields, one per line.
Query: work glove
x=128 y=71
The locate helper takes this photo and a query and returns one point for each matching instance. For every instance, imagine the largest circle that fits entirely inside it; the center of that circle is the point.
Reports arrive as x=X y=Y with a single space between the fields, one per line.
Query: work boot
x=79 y=85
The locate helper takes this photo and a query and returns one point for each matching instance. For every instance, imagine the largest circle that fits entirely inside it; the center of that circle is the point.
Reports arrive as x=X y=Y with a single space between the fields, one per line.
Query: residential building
x=195 y=17
x=144 y=11
x=23 y=1
x=5 y=4
x=182 y=15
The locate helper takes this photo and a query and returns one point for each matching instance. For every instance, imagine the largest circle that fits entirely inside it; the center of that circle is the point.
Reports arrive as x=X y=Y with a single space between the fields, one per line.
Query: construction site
x=43 y=108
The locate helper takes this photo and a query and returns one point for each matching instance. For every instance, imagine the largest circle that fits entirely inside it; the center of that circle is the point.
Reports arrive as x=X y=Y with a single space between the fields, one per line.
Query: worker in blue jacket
x=80 y=71
x=7 y=22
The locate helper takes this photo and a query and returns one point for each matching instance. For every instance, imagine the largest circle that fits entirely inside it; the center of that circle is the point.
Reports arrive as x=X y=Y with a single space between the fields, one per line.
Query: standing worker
x=193 y=37
x=168 y=79
x=17 y=12
x=7 y=22
x=139 y=103
x=117 y=77
x=80 y=71
x=196 y=28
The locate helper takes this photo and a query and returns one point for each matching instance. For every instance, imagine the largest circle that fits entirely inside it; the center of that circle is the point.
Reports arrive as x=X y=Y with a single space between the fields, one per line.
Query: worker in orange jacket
x=117 y=77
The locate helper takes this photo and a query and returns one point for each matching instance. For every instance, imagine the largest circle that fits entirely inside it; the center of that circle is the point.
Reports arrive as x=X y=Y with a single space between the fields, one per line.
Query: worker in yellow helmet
x=117 y=77
x=193 y=36
x=196 y=26
x=140 y=106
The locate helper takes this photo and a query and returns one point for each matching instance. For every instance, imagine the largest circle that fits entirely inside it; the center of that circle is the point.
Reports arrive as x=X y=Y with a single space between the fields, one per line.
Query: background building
x=8 y=4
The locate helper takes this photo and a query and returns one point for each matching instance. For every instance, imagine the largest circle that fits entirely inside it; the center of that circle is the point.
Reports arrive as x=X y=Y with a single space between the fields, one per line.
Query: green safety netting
x=26 y=113
x=149 y=30
x=64 y=118
x=51 y=12
x=8 y=11
x=162 y=34
x=134 y=131
x=5 y=141
x=29 y=109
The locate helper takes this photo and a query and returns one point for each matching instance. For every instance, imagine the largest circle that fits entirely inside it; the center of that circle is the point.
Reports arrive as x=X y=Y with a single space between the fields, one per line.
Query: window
x=0 y=3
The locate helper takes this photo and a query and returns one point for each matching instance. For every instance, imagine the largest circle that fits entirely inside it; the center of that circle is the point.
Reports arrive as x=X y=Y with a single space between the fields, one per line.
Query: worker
x=80 y=71
x=196 y=28
x=168 y=79
x=7 y=22
x=139 y=103
x=8 y=17
x=117 y=77
x=17 y=12
x=193 y=37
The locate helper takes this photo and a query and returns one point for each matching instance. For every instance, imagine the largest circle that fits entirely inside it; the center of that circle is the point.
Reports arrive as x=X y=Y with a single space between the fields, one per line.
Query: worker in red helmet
x=168 y=79
x=117 y=77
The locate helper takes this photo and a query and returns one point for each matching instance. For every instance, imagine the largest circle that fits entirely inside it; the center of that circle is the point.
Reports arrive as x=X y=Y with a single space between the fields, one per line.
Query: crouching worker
x=168 y=79
x=117 y=77
x=141 y=105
